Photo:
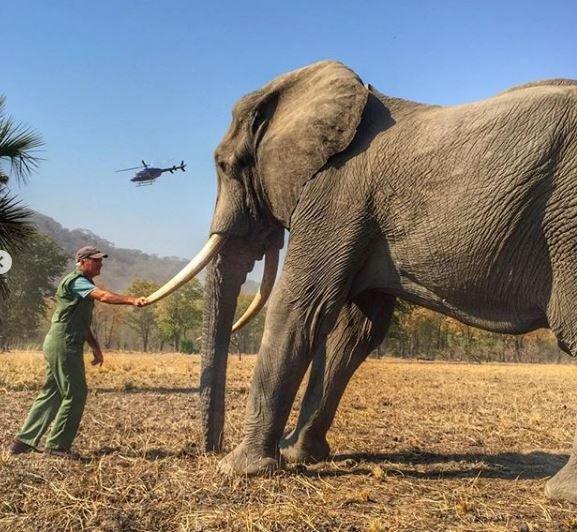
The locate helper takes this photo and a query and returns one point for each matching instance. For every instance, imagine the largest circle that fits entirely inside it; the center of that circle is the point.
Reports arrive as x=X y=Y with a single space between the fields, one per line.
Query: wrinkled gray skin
x=468 y=210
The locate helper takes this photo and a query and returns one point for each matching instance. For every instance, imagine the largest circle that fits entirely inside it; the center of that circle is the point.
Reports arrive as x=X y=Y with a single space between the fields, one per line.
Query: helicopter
x=148 y=174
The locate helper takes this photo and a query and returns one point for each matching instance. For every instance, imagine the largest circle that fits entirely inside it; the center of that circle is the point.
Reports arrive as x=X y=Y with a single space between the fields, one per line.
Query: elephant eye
x=255 y=122
x=223 y=166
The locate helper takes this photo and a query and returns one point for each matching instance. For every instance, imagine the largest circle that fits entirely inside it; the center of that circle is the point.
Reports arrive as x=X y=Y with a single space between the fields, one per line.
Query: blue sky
x=109 y=83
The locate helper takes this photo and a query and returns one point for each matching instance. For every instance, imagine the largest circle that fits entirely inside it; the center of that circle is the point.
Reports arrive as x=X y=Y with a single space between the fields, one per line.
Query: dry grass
x=418 y=446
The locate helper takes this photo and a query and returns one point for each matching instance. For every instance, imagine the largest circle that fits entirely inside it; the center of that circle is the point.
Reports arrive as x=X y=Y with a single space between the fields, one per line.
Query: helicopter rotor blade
x=127 y=169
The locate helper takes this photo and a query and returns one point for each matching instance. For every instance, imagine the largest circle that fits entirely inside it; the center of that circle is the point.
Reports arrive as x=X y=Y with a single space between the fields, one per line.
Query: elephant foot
x=304 y=449
x=563 y=486
x=246 y=461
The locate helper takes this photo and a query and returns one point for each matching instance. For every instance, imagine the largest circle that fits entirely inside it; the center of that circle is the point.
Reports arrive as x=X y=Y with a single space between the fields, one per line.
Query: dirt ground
x=417 y=446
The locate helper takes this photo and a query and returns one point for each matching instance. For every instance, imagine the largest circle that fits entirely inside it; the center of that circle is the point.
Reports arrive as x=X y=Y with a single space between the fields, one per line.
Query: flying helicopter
x=148 y=174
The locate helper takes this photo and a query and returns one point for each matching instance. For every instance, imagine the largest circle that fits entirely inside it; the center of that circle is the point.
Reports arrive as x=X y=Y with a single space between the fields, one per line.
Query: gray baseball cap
x=89 y=252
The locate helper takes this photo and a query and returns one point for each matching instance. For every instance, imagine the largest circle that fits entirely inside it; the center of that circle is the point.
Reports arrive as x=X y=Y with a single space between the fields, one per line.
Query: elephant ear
x=304 y=118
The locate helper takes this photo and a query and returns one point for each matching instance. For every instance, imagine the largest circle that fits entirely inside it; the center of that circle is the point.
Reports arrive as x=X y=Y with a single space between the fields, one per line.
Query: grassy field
x=418 y=446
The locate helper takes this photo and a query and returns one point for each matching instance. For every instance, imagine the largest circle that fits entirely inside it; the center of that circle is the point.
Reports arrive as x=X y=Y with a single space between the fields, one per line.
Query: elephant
x=468 y=210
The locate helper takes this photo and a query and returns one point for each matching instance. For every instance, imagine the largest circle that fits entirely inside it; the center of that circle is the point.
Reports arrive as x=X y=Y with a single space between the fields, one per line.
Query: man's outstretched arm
x=104 y=296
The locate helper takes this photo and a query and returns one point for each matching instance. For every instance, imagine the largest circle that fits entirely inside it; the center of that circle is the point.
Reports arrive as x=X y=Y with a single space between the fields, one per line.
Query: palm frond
x=17 y=144
x=14 y=223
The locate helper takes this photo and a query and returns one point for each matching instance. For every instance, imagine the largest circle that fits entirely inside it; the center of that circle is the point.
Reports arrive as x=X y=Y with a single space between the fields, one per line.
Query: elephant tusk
x=259 y=301
x=193 y=268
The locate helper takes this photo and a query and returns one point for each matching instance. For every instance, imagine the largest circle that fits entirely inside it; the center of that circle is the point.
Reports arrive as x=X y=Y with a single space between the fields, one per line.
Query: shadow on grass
x=154 y=453
x=144 y=389
x=425 y=465
x=127 y=388
x=419 y=465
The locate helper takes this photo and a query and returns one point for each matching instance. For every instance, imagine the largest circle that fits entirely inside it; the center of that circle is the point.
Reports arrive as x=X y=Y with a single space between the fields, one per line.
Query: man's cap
x=89 y=252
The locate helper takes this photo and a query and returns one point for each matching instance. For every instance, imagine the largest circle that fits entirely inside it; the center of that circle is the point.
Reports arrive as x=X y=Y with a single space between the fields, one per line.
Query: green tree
x=398 y=335
x=180 y=313
x=17 y=144
x=31 y=280
x=143 y=320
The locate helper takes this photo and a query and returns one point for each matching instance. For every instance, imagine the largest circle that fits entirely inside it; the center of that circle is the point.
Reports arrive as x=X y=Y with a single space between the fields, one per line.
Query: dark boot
x=19 y=447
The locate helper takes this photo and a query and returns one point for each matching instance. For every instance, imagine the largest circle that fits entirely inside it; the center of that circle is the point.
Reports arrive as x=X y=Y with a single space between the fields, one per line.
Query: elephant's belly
x=493 y=310
x=493 y=316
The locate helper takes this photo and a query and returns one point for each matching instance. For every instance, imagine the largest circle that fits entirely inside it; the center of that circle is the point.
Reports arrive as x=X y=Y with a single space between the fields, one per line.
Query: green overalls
x=63 y=395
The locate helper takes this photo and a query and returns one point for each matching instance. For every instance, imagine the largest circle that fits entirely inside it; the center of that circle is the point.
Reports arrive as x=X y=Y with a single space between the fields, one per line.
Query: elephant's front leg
x=361 y=326
x=292 y=335
x=317 y=276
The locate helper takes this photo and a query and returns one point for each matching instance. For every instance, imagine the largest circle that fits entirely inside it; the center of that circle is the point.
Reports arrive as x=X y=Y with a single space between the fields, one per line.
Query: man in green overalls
x=63 y=396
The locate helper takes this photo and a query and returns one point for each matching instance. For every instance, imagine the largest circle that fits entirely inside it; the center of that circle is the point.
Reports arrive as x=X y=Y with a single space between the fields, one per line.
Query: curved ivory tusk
x=193 y=268
x=259 y=301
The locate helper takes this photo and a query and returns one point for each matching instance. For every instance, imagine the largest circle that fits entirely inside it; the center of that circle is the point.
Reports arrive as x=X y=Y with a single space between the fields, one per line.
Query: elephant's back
x=555 y=82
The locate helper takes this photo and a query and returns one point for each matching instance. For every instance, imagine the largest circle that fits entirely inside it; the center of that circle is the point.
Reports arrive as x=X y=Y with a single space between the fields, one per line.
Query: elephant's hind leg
x=563 y=486
x=360 y=328
x=562 y=317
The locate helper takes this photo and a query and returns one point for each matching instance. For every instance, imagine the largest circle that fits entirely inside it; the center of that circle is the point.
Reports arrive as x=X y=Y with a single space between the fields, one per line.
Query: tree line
x=175 y=323
x=417 y=332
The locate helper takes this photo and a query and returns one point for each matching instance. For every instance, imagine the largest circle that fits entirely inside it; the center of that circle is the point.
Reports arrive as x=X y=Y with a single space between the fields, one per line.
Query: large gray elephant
x=468 y=210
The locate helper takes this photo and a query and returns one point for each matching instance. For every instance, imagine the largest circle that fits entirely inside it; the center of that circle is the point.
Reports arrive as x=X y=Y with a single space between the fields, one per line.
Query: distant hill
x=122 y=265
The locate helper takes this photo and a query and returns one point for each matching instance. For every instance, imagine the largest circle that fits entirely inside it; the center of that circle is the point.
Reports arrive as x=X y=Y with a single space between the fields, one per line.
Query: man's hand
x=98 y=359
x=140 y=302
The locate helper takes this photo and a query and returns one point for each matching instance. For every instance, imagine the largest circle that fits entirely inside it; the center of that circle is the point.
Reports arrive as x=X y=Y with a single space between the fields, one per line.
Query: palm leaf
x=14 y=223
x=14 y=228
x=17 y=144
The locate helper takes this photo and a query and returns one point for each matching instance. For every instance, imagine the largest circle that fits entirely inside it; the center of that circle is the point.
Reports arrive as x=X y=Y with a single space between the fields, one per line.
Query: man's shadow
x=511 y=466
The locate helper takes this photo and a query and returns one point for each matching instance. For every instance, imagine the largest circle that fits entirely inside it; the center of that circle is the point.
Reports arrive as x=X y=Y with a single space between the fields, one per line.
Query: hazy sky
x=109 y=83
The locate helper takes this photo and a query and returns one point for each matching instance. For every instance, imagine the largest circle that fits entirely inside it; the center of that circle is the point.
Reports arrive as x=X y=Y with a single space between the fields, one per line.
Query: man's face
x=91 y=267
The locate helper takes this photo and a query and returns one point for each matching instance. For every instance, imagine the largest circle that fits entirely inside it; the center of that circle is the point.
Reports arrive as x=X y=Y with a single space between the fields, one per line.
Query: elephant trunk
x=225 y=276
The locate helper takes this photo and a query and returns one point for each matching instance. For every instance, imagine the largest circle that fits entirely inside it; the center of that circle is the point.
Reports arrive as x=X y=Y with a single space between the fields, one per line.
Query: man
x=63 y=395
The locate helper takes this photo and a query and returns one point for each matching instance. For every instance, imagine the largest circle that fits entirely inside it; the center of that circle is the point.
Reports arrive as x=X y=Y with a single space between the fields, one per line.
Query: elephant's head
x=280 y=137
